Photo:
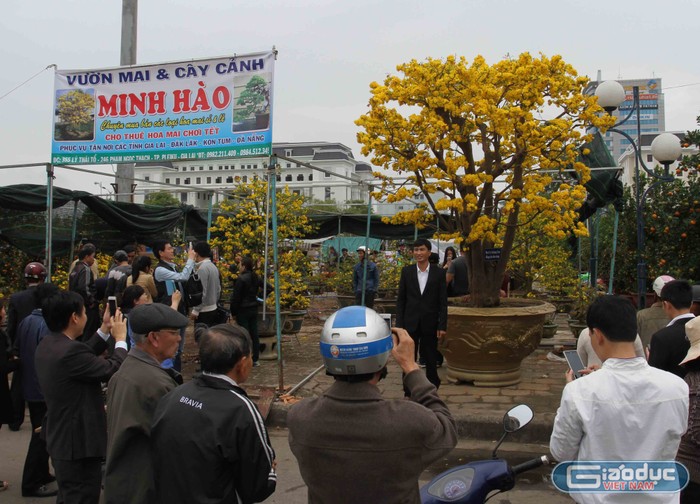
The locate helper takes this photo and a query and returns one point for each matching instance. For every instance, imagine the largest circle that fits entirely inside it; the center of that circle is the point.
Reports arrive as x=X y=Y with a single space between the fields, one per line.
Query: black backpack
x=194 y=290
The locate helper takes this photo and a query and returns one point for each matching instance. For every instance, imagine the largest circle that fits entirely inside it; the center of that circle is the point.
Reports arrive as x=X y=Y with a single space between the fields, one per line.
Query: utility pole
x=124 y=181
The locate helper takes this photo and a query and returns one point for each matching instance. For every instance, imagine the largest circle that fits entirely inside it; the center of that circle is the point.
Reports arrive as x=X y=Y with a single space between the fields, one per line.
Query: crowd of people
x=152 y=438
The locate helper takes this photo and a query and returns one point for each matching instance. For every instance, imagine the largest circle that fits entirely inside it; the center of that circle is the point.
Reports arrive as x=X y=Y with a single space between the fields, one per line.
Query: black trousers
x=17 y=395
x=248 y=318
x=369 y=298
x=427 y=343
x=79 y=481
x=36 y=465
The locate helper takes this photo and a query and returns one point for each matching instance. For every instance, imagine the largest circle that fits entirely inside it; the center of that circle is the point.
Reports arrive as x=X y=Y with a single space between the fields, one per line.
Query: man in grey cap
x=132 y=396
x=116 y=278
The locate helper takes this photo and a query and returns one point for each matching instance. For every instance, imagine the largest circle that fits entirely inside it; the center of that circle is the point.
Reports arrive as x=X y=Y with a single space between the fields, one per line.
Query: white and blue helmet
x=355 y=340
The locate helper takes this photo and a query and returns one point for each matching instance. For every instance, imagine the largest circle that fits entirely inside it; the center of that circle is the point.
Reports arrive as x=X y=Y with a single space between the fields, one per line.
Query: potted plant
x=582 y=295
x=253 y=103
x=483 y=144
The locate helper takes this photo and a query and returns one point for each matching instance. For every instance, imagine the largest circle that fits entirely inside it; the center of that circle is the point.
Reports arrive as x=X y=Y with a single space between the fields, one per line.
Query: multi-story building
x=198 y=180
x=652 y=113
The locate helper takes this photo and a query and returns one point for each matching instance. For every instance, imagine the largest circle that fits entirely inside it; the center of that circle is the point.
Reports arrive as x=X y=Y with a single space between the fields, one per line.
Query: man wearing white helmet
x=352 y=445
x=650 y=320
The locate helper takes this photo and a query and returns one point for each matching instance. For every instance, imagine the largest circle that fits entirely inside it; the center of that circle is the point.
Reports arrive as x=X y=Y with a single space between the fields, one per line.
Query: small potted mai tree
x=240 y=229
x=484 y=144
x=253 y=104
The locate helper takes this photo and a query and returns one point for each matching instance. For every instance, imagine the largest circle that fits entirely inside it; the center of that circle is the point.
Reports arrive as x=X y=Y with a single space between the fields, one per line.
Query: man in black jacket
x=209 y=440
x=669 y=345
x=244 y=302
x=421 y=307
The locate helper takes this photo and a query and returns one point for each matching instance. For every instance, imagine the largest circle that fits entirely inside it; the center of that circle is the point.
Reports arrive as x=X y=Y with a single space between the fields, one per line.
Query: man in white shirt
x=627 y=410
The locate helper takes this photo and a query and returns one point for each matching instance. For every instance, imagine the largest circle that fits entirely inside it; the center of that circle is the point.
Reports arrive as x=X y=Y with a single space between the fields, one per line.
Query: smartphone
x=112 y=301
x=574 y=361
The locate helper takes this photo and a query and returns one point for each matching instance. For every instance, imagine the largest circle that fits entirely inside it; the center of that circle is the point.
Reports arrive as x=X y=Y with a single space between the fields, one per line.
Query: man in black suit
x=421 y=306
x=20 y=306
x=70 y=373
x=669 y=345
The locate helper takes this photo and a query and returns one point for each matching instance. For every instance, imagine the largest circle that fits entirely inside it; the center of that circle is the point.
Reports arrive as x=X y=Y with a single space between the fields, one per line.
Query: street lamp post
x=665 y=148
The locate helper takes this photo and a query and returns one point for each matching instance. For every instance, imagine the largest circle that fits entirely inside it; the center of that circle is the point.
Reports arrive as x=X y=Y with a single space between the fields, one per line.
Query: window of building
x=288 y=152
x=250 y=166
x=279 y=178
x=255 y=167
x=167 y=180
x=327 y=174
x=244 y=178
x=229 y=180
x=184 y=168
x=183 y=197
x=187 y=181
x=650 y=158
x=311 y=177
x=191 y=168
x=198 y=180
x=225 y=167
x=147 y=177
x=218 y=180
x=289 y=165
x=221 y=167
x=208 y=180
x=328 y=193
x=300 y=177
x=211 y=168
x=201 y=168
x=288 y=178
x=177 y=181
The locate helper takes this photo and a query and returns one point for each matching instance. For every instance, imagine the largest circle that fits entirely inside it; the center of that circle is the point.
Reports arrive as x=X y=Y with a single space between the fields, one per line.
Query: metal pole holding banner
x=211 y=204
x=278 y=318
x=49 y=220
x=73 y=231
x=369 y=221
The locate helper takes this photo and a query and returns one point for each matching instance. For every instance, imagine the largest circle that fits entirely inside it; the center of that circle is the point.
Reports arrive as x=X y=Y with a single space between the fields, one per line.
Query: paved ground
x=478 y=410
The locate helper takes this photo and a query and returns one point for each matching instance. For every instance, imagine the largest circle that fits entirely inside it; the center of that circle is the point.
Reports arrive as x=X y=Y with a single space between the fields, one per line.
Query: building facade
x=194 y=182
x=626 y=161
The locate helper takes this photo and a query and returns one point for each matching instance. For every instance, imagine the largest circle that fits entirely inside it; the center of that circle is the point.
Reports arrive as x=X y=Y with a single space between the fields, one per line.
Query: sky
x=329 y=53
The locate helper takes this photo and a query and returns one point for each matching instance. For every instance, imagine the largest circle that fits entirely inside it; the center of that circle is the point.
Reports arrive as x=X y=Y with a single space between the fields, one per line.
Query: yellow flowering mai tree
x=241 y=230
x=483 y=143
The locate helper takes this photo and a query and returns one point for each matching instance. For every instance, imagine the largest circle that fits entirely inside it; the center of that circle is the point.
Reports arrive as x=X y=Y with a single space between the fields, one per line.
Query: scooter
x=471 y=483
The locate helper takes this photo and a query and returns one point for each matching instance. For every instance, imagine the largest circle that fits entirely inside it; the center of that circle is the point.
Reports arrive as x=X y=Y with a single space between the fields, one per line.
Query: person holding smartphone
x=627 y=410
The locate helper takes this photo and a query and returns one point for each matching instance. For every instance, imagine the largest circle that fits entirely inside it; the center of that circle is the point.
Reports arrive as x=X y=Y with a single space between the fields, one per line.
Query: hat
x=153 y=317
x=120 y=256
x=692 y=332
x=362 y=248
x=660 y=282
x=696 y=293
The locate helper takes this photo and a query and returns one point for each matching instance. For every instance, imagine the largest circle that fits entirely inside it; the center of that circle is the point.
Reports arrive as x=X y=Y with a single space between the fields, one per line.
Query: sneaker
x=256 y=364
x=555 y=358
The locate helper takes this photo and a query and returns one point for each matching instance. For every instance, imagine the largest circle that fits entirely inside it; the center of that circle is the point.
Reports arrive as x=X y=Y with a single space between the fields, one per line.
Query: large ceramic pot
x=576 y=326
x=293 y=322
x=486 y=345
x=267 y=334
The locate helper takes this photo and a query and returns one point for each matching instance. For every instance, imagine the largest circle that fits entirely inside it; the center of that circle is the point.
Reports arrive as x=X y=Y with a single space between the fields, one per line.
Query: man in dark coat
x=352 y=444
x=132 y=396
x=669 y=345
x=37 y=481
x=82 y=280
x=70 y=374
x=421 y=306
x=20 y=306
x=209 y=440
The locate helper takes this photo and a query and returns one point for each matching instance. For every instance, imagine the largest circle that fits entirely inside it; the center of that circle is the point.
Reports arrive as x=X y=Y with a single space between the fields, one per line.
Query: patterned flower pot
x=487 y=345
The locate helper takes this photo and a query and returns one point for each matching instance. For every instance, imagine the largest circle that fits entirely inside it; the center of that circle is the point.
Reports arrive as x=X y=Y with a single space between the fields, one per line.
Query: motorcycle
x=471 y=483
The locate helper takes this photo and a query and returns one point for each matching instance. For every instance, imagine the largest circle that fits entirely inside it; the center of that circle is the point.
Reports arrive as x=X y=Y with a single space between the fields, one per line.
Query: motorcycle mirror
x=516 y=418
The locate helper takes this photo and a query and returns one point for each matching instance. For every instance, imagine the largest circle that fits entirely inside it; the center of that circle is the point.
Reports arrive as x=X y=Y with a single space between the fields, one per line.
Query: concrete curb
x=486 y=427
